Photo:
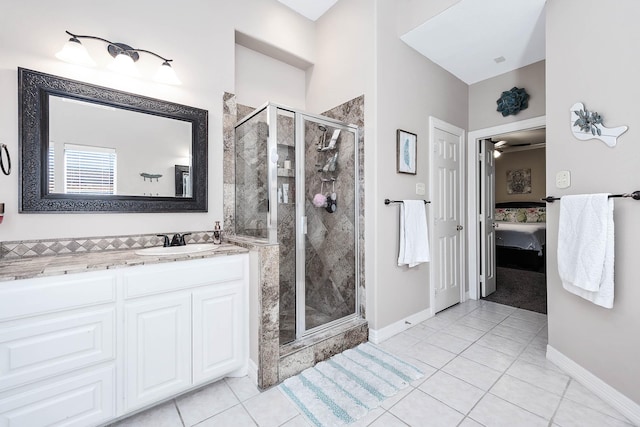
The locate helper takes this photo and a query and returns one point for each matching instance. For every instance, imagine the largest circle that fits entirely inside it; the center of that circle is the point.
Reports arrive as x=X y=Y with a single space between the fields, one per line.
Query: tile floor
x=484 y=365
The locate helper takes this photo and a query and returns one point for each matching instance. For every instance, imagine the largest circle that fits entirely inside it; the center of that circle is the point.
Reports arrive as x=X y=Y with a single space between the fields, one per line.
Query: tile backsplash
x=48 y=247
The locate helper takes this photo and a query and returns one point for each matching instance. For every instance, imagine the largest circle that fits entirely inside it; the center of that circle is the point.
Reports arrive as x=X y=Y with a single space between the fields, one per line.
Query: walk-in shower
x=296 y=184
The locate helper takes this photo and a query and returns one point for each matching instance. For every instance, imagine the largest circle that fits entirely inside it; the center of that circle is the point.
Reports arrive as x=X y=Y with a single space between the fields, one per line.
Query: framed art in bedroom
x=406 y=151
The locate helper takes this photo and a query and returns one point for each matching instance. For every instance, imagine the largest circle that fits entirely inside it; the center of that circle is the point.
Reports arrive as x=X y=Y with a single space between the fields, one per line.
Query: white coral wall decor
x=587 y=124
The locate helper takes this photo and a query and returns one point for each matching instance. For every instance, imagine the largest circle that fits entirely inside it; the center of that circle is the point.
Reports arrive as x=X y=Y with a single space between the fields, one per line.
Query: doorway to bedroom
x=510 y=233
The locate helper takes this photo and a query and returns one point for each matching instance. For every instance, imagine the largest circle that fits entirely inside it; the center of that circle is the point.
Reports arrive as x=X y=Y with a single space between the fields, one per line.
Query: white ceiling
x=467 y=38
x=523 y=137
x=312 y=9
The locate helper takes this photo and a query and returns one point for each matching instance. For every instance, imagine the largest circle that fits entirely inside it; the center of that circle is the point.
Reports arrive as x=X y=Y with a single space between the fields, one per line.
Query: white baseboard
x=604 y=391
x=379 y=335
x=252 y=371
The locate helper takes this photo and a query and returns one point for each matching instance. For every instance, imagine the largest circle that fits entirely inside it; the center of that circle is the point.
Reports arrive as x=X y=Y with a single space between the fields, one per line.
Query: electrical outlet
x=420 y=189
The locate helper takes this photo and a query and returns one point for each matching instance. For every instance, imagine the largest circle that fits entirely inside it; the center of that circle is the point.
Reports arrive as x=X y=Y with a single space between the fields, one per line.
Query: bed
x=521 y=233
x=525 y=236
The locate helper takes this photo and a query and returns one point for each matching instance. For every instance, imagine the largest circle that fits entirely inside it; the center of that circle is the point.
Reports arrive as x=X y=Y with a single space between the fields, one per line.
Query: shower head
x=324 y=135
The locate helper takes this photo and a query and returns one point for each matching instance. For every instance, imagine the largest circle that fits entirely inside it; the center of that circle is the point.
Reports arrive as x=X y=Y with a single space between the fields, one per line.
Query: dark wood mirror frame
x=34 y=89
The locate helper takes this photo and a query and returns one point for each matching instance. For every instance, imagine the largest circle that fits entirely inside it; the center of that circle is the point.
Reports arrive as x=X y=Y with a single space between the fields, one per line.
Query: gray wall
x=483 y=96
x=402 y=89
x=530 y=159
x=201 y=42
x=410 y=88
x=603 y=74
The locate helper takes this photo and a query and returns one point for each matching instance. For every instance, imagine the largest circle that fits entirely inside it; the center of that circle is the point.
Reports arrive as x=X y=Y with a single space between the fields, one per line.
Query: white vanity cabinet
x=157 y=348
x=58 y=350
x=217 y=330
x=83 y=349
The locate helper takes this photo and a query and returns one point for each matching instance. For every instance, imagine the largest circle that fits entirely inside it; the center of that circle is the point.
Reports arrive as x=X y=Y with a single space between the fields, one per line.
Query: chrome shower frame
x=300 y=185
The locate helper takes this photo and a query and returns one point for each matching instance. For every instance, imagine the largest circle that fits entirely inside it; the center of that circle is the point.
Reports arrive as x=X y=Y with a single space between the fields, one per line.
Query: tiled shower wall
x=287 y=229
x=251 y=175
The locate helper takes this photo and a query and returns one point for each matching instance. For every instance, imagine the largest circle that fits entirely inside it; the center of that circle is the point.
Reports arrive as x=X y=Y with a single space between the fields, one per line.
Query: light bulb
x=165 y=74
x=123 y=63
x=74 y=52
x=497 y=154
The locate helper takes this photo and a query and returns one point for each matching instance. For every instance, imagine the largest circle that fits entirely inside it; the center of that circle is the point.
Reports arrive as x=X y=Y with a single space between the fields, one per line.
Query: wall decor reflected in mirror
x=89 y=148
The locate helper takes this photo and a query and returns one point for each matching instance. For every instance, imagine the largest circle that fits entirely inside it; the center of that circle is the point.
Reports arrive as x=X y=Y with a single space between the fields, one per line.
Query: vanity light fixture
x=124 y=58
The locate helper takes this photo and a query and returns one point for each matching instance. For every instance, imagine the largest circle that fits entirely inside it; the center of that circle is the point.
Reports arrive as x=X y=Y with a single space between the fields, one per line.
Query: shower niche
x=296 y=184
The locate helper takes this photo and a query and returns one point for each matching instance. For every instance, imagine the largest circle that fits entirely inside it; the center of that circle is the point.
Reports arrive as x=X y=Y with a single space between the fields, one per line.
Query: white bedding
x=522 y=235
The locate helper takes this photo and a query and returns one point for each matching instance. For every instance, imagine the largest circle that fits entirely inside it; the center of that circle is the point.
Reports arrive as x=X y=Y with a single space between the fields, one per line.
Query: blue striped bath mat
x=344 y=388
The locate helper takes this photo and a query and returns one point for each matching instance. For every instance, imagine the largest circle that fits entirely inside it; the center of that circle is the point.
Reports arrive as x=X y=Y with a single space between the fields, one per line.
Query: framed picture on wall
x=519 y=181
x=407 y=151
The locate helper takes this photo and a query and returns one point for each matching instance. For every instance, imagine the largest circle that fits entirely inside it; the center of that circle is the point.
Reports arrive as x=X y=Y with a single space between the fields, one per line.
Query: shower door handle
x=304 y=225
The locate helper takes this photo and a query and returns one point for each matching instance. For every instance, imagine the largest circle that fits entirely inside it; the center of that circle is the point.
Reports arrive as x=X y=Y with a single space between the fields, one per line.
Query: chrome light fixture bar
x=124 y=58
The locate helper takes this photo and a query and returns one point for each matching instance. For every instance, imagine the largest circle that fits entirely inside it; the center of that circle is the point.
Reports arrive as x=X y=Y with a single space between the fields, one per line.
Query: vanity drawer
x=48 y=294
x=81 y=400
x=158 y=278
x=38 y=348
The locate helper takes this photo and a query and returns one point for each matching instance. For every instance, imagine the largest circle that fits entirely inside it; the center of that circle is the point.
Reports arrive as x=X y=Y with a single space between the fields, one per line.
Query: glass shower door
x=327 y=272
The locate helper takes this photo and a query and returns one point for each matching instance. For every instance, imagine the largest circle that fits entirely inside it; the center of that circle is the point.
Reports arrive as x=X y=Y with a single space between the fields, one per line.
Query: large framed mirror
x=86 y=148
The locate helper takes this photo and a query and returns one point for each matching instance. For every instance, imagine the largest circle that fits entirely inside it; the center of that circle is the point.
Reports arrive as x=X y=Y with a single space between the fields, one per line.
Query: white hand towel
x=586 y=247
x=414 y=237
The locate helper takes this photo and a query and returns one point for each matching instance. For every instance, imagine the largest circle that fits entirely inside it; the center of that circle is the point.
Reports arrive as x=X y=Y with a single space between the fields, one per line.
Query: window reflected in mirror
x=99 y=149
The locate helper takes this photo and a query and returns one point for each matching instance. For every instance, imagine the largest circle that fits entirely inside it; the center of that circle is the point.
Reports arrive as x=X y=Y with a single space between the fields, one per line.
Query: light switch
x=563 y=179
x=420 y=189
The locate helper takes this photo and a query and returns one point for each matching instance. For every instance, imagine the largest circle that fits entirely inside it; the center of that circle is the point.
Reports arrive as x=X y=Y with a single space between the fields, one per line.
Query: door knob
x=459 y=227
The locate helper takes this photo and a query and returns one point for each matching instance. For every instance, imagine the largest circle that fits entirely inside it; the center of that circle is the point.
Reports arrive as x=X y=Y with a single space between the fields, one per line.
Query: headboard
x=521 y=212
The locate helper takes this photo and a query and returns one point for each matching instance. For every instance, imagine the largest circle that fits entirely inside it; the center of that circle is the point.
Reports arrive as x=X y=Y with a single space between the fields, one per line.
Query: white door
x=217 y=331
x=447 y=223
x=487 y=218
x=157 y=348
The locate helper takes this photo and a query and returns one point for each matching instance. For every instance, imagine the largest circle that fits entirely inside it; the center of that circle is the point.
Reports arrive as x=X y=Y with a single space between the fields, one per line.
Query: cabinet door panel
x=43 y=347
x=217 y=331
x=75 y=401
x=157 y=348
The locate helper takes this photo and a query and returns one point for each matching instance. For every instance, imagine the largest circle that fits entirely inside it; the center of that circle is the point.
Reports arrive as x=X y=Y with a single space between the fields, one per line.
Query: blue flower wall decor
x=512 y=101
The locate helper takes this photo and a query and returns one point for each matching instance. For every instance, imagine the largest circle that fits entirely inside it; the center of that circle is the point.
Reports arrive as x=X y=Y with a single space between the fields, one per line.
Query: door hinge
x=481 y=157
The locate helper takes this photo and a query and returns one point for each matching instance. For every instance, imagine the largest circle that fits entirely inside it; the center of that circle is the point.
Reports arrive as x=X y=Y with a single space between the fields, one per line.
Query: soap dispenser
x=217 y=234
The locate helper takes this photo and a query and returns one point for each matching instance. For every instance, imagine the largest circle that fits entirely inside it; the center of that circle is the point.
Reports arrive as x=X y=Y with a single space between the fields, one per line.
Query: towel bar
x=635 y=196
x=387 y=201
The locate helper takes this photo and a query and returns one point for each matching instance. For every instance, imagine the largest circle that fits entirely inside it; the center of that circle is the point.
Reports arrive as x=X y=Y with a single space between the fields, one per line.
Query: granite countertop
x=29 y=267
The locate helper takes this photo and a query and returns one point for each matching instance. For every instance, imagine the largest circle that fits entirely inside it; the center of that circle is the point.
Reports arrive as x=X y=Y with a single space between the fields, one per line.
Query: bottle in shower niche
x=217 y=234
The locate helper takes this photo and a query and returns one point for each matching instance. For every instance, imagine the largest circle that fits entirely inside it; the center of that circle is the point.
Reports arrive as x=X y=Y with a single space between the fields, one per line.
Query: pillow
x=535 y=214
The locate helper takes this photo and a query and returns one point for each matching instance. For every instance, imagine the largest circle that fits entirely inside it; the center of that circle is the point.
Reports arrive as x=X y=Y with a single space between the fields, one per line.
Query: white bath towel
x=414 y=237
x=586 y=246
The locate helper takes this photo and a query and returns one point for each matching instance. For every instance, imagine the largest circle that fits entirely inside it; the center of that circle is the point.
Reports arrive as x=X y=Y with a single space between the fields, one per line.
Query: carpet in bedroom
x=520 y=288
